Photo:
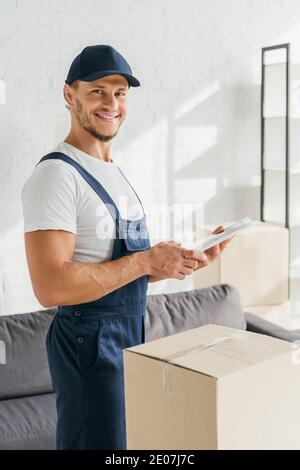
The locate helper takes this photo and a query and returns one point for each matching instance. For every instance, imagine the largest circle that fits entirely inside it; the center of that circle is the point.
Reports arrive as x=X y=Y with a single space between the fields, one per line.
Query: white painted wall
x=192 y=133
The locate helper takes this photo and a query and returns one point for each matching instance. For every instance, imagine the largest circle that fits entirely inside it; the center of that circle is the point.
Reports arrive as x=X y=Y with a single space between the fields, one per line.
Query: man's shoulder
x=50 y=174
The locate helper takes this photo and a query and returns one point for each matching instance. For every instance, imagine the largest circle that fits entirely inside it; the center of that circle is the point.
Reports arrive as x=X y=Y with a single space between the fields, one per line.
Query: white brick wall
x=192 y=131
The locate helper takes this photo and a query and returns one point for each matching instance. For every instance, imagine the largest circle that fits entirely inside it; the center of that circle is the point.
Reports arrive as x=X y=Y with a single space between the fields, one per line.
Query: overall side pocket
x=87 y=335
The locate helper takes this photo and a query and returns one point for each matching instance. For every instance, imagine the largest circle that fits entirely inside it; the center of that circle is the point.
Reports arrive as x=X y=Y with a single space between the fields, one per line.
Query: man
x=98 y=276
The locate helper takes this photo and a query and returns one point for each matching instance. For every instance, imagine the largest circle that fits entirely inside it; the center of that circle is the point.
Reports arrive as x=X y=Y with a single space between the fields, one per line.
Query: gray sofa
x=27 y=401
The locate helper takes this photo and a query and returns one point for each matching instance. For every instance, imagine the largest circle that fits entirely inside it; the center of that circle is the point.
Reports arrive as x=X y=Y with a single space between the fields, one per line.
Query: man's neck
x=94 y=148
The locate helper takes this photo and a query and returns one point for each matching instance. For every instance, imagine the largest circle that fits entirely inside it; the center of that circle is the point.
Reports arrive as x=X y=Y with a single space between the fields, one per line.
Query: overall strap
x=93 y=183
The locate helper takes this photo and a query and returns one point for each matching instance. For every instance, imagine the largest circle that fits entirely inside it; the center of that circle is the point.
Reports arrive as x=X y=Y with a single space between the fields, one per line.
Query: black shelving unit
x=265 y=50
x=280 y=175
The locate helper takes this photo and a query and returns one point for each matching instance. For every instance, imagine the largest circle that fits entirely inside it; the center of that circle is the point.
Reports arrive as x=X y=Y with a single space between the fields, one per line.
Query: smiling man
x=89 y=258
x=92 y=116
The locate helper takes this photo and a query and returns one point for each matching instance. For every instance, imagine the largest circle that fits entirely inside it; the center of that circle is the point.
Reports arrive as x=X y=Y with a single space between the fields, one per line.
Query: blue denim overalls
x=85 y=342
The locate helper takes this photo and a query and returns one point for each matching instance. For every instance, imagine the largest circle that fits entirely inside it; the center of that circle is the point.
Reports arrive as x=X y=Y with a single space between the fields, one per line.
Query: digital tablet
x=228 y=232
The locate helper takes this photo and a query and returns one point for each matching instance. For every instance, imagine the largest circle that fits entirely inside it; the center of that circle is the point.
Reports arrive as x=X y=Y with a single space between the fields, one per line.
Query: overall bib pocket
x=135 y=235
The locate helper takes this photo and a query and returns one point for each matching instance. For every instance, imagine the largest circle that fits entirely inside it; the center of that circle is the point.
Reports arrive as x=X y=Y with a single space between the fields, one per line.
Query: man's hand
x=169 y=260
x=193 y=259
x=215 y=251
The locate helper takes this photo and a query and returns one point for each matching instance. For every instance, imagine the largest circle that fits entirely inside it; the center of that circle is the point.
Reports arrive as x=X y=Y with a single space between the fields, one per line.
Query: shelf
x=275 y=63
x=293 y=171
x=276 y=117
x=275 y=143
x=275 y=56
x=274 y=99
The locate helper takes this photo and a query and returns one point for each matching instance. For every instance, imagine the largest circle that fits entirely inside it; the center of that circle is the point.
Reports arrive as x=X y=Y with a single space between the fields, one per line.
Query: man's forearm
x=78 y=282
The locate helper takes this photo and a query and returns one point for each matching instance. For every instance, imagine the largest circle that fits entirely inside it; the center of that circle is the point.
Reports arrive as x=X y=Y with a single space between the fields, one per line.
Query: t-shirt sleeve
x=50 y=198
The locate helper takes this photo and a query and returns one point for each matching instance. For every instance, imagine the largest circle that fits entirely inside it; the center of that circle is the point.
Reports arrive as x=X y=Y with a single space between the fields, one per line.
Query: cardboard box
x=212 y=388
x=256 y=262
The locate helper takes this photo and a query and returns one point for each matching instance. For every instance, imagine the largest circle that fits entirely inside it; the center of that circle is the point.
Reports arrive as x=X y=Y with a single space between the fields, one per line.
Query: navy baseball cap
x=97 y=62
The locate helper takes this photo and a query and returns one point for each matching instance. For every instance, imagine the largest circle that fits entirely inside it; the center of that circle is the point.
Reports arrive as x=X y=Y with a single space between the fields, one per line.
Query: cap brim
x=93 y=76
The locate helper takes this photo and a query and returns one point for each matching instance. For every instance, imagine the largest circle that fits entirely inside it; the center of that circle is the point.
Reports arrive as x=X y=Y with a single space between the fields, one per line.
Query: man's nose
x=110 y=100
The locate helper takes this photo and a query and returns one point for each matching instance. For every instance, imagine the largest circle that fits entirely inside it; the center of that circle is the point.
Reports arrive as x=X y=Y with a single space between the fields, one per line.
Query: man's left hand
x=215 y=251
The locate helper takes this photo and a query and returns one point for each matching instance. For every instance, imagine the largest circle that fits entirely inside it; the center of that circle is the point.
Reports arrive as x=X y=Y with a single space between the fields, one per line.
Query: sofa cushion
x=28 y=423
x=26 y=370
x=168 y=314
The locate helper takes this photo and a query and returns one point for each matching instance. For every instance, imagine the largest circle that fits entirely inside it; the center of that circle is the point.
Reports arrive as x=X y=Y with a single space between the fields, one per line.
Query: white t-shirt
x=55 y=196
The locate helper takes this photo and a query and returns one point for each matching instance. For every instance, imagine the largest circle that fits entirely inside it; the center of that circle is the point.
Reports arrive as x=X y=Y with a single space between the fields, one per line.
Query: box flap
x=214 y=350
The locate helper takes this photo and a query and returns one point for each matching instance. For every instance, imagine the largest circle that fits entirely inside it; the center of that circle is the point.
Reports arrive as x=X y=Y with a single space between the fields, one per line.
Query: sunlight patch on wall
x=199 y=191
x=191 y=104
x=191 y=143
x=144 y=160
x=253 y=181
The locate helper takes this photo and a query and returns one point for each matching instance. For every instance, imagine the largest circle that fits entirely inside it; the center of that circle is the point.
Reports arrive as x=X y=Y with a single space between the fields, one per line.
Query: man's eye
x=100 y=91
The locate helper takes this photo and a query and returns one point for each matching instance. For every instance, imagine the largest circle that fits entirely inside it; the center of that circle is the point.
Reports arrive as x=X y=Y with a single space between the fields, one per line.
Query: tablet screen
x=228 y=232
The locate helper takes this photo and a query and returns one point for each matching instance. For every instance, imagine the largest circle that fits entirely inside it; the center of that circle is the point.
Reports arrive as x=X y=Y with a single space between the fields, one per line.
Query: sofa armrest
x=259 y=325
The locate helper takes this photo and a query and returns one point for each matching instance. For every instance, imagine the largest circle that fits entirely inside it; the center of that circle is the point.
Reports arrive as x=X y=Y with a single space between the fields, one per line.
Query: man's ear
x=69 y=95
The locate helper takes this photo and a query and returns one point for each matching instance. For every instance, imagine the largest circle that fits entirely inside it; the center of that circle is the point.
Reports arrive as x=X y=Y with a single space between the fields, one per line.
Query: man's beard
x=85 y=123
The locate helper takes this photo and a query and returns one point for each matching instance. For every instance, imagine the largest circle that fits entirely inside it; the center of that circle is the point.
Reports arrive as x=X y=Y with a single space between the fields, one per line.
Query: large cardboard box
x=212 y=388
x=256 y=262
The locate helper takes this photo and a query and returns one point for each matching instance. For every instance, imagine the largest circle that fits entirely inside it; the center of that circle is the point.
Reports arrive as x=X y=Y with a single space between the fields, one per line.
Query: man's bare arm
x=57 y=280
